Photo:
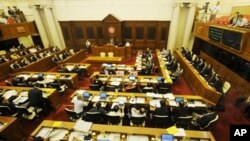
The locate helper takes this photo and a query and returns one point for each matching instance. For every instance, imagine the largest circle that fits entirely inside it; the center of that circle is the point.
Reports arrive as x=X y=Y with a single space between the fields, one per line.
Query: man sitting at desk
x=97 y=81
x=164 y=110
x=180 y=111
x=98 y=108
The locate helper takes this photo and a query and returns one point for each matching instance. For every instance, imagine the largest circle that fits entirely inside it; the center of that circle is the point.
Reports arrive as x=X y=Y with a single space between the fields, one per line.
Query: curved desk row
x=123 y=130
x=198 y=84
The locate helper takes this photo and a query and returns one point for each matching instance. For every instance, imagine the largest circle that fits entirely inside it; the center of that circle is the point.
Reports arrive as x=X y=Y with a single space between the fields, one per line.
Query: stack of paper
x=155 y=103
x=137 y=138
x=83 y=126
x=169 y=96
x=96 y=98
x=58 y=134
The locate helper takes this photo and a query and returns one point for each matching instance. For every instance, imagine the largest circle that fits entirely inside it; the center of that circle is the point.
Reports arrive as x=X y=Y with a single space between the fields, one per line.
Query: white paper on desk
x=150 y=94
x=199 y=104
x=70 y=68
x=120 y=98
x=24 y=93
x=58 y=134
x=9 y=93
x=115 y=83
x=96 y=98
x=137 y=138
x=20 y=99
x=181 y=133
x=132 y=100
x=83 y=126
x=50 y=76
x=114 y=136
x=172 y=103
x=155 y=103
x=78 y=135
x=80 y=91
x=190 y=104
x=169 y=96
x=140 y=100
x=25 y=76
x=44 y=132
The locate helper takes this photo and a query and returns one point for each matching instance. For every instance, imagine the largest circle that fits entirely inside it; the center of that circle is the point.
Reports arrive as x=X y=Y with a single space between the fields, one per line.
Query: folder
x=172 y=130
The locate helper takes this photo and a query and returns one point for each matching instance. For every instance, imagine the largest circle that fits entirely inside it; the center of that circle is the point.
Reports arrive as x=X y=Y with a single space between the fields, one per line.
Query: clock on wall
x=111 y=30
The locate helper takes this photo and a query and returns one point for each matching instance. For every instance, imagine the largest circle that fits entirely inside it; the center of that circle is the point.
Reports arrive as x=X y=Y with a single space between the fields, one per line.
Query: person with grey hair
x=78 y=103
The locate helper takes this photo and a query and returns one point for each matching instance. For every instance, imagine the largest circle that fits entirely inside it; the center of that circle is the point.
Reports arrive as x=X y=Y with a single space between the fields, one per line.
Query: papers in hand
x=82 y=125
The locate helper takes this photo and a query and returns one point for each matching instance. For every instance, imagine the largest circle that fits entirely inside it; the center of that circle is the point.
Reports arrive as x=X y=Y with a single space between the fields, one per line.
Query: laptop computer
x=132 y=78
x=86 y=95
x=179 y=99
x=103 y=96
x=167 y=137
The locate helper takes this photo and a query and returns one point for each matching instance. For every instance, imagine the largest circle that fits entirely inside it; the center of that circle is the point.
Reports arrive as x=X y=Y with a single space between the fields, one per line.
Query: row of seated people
x=35 y=103
x=40 y=80
x=62 y=56
x=172 y=65
x=204 y=69
x=131 y=86
x=26 y=51
x=147 y=62
x=77 y=69
x=138 y=114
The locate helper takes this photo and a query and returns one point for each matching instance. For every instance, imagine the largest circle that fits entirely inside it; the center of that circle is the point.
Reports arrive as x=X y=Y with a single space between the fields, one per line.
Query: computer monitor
x=179 y=99
x=159 y=78
x=132 y=78
x=85 y=94
x=108 y=65
x=121 y=103
x=167 y=137
x=103 y=95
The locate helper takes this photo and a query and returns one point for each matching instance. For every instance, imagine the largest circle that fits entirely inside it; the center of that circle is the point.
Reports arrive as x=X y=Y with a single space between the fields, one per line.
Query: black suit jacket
x=35 y=97
x=164 y=111
x=205 y=119
x=180 y=112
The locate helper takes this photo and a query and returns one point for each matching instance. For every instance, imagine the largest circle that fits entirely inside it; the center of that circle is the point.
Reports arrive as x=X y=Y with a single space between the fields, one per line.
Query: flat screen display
x=167 y=137
x=179 y=99
x=232 y=39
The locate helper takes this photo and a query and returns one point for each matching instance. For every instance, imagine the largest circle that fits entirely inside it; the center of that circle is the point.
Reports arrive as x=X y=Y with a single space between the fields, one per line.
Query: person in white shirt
x=127 y=44
x=214 y=10
x=138 y=112
x=116 y=111
x=78 y=103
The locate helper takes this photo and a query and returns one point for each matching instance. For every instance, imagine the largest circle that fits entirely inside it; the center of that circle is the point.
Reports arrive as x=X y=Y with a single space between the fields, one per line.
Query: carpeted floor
x=232 y=115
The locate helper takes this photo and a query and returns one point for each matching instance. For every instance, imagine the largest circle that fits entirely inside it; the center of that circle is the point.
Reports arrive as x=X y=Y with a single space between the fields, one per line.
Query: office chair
x=208 y=126
x=164 y=90
x=184 y=122
x=25 y=113
x=147 y=90
x=7 y=111
x=94 y=87
x=71 y=114
x=162 y=121
x=219 y=106
x=94 y=117
x=110 y=88
x=137 y=121
x=113 y=120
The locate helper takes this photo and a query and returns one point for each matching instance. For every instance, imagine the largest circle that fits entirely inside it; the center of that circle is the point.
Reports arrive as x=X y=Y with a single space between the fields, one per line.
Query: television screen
x=159 y=78
x=167 y=137
x=179 y=99
x=232 y=39
x=215 y=33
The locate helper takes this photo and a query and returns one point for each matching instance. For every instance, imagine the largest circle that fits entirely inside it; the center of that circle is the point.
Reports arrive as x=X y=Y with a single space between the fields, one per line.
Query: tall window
x=128 y=33
x=139 y=32
x=79 y=32
x=90 y=32
x=151 y=33
x=99 y=32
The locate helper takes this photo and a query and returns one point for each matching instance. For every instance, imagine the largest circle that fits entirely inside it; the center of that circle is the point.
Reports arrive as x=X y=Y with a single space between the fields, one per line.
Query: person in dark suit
x=205 y=119
x=163 y=110
x=25 y=62
x=16 y=65
x=97 y=80
x=55 y=59
x=98 y=108
x=35 y=97
x=161 y=84
x=217 y=83
x=3 y=59
x=207 y=71
x=180 y=111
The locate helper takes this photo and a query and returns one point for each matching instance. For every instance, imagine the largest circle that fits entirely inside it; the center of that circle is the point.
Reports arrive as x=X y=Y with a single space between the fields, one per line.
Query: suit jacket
x=164 y=111
x=205 y=119
x=35 y=97
x=16 y=66
x=180 y=112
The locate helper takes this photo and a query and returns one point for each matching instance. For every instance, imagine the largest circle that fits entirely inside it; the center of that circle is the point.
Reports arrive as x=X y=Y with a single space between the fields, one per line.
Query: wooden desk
x=125 y=51
x=195 y=80
x=99 y=59
x=70 y=66
x=73 y=78
x=164 y=71
x=75 y=58
x=156 y=132
x=11 y=131
x=52 y=94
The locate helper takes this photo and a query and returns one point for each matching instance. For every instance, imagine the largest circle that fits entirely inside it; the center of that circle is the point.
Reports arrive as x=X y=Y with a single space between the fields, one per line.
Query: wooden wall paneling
x=67 y=34
x=128 y=52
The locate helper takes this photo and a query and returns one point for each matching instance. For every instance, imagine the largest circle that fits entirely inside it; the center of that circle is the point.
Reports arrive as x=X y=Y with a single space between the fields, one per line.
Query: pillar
x=189 y=25
x=173 y=26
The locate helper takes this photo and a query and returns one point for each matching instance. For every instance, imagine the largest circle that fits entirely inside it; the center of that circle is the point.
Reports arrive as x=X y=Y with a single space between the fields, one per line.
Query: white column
x=59 y=31
x=189 y=25
x=40 y=25
x=173 y=26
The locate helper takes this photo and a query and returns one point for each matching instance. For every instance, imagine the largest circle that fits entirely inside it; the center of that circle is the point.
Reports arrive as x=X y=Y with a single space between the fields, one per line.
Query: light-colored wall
x=123 y=9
